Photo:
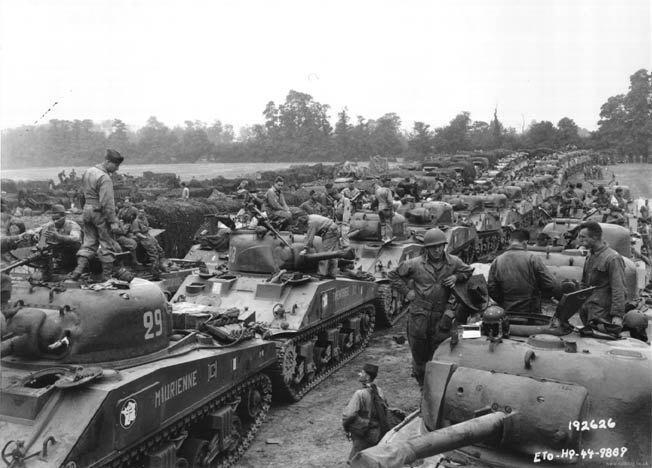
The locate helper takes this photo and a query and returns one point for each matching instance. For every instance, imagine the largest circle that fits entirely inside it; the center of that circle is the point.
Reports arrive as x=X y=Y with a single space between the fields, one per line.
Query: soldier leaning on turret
x=325 y=228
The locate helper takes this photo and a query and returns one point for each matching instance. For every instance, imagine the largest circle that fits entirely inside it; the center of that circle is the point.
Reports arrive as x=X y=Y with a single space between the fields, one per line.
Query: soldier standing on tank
x=99 y=216
x=385 y=209
x=342 y=211
x=358 y=418
x=604 y=269
x=426 y=282
x=518 y=279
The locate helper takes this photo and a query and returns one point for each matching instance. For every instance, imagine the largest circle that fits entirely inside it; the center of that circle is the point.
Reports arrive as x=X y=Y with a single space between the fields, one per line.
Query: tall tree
x=626 y=120
x=541 y=134
x=567 y=133
x=454 y=137
x=420 y=139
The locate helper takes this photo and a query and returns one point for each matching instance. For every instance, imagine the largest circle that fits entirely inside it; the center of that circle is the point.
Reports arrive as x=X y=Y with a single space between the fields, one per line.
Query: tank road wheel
x=253 y=403
x=195 y=452
x=289 y=362
x=388 y=306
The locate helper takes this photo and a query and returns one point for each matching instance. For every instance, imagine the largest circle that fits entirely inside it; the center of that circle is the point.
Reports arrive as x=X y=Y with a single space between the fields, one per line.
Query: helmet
x=434 y=237
x=634 y=319
x=493 y=314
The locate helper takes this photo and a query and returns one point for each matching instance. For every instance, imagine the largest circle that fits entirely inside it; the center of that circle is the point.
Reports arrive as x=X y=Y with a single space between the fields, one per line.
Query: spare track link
x=131 y=458
x=290 y=393
x=384 y=297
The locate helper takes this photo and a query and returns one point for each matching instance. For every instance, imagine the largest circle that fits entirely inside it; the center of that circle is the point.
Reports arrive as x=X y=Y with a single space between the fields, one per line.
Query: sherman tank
x=111 y=377
x=470 y=211
x=421 y=216
x=374 y=259
x=517 y=399
x=317 y=324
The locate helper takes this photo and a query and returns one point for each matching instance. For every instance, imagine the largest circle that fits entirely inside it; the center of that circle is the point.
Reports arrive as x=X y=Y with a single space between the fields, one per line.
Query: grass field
x=638 y=177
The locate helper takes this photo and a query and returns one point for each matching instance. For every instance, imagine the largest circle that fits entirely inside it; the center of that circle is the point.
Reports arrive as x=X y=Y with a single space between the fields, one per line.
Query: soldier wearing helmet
x=426 y=282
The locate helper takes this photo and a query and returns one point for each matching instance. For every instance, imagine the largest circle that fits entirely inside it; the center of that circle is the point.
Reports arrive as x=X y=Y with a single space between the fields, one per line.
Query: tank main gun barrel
x=348 y=254
x=404 y=452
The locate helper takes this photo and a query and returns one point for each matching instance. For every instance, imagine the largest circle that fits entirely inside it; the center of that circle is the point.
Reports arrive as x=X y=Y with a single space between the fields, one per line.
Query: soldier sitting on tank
x=568 y=202
x=63 y=237
x=359 y=419
x=313 y=205
x=426 y=282
x=518 y=279
x=278 y=211
x=352 y=193
x=602 y=199
x=154 y=252
x=617 y=203
x=325 y=228
x=124 y=236
x=604 y=269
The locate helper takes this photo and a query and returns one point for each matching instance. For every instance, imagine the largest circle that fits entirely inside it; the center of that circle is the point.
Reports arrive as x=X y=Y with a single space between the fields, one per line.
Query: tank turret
x=251 y=252
x=365 y=225
x=541 y=400
x=111 y=376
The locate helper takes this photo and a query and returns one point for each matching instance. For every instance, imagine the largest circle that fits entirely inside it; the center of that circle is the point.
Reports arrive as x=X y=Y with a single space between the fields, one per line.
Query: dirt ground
x=309 y=433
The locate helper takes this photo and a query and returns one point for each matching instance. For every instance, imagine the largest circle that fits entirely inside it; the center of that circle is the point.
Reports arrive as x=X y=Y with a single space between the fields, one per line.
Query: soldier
x=64 y=236
x=604 y=269
x=518 y=279
x=277 y=210
x=568 y=200
x=601 y=197
x=140 y=229
x=385 y=209
x=343 y=210
x=352 y=192
x=185 y=191
x=330 y=234
x=358 y=419
x=99 y=216
x=312 y=205
x=426 y=282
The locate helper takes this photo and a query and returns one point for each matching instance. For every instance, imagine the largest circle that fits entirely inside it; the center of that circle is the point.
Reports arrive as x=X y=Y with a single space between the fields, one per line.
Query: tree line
x=300 y=130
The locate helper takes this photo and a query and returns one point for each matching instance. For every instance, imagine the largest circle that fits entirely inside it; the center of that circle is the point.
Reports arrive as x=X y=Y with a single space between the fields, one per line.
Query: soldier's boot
x=82 y=265
x=134 y=258
x=156 y=272
x=107 y=272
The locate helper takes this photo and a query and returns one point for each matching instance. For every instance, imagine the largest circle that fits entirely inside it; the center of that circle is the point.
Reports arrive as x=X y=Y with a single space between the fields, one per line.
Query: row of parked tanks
x=120 y=376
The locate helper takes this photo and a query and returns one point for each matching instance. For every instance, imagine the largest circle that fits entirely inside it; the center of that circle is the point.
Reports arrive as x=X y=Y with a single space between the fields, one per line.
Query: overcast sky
x=423 y=60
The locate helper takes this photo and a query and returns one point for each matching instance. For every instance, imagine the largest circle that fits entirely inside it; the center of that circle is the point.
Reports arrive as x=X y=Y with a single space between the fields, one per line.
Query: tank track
x=132 y=458
x=384 y=306
x=287 y=392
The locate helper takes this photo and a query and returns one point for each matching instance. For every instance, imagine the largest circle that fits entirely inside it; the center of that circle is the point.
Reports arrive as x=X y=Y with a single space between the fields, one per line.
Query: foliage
x=299 y=129
x=626 y=120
